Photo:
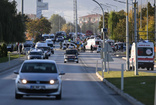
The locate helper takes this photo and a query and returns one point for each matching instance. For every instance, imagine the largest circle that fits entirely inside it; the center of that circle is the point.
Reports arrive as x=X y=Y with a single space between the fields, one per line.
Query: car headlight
x=24 y=81
x=51 y=82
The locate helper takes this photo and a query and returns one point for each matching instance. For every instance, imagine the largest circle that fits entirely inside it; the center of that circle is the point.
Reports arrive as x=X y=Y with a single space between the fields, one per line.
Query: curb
x=124 y=95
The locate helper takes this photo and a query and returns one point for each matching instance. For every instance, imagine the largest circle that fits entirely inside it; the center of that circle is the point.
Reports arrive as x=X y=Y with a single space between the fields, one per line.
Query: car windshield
x=35 y=53
x=39 y=68
x=142 y=51
x=71 y=52
x=51 y=45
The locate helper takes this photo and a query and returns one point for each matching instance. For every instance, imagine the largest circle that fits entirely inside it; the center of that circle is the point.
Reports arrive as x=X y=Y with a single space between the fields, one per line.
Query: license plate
x=37 y=87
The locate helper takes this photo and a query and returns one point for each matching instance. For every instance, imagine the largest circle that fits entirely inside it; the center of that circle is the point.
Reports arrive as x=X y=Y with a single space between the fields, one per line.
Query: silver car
x=38 y=78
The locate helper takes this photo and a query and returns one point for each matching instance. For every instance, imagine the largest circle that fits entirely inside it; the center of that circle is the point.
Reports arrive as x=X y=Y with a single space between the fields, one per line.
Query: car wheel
x=64 y=61
x=77 y=61
x=148 y=68
x=58 y=97
x=18 y=96
x=152 y=68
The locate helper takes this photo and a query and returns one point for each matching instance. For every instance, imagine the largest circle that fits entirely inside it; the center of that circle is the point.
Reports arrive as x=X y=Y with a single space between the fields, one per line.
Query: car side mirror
x=16 y=72
x=62 y=73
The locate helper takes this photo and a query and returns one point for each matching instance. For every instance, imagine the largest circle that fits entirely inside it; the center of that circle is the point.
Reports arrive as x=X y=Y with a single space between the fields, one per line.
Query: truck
x=145 y=55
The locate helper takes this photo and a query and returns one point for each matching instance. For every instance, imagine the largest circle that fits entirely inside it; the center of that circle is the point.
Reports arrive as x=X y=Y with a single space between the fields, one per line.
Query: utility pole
x=104 y=53
x=75 y=19
x=135 y=33
x=147 y=19
x=141 y=15
x=127 y=38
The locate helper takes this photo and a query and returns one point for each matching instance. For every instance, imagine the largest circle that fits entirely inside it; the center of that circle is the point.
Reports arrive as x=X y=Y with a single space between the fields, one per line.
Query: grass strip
x=12 y=56
x=141 y=87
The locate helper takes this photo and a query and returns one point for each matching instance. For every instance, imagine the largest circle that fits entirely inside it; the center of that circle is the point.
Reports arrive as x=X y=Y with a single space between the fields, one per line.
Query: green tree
x=12 y=25
x=112 y=22
x=119 y=31
x=56 y=22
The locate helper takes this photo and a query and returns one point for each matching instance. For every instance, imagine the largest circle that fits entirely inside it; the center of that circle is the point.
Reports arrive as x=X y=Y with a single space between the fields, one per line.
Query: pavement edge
x=124 y=95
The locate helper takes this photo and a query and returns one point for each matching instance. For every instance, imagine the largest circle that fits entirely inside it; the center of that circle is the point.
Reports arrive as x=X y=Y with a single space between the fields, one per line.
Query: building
x=93 y=18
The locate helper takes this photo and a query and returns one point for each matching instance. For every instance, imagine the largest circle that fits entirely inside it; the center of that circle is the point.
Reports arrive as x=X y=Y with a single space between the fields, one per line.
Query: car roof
x=39 y=61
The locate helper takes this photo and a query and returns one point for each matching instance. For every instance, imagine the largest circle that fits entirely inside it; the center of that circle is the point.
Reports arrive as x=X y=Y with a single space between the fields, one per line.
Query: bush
x=3 y=51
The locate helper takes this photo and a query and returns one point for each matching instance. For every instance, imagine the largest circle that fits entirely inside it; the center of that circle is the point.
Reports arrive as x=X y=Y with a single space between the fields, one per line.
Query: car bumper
x=71 y=59
x=43 y=90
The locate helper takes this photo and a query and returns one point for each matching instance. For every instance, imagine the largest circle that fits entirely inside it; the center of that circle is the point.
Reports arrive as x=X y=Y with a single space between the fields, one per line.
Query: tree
x=151 y=30
x=56 y=22
x=69 y=27
x=112 y=22
x=38 y=27
x=119 y=31
x=12 y=25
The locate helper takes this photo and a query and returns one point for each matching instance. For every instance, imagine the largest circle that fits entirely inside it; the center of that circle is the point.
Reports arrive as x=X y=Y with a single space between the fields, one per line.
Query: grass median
x=141 y=87
x=12 y=56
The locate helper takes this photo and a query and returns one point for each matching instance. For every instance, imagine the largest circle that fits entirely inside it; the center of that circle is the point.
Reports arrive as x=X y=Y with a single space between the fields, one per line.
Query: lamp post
x=22 y=7
x=127 y=38
x=104 y=54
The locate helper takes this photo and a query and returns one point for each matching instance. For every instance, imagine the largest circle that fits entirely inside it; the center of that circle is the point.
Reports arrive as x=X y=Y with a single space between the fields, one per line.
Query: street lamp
x=104 y=54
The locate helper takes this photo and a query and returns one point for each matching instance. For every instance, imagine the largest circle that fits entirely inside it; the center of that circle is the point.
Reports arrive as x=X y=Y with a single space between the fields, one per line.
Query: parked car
x=38 y=78
x=10 y=47
x=35 y=54
x=71 y=55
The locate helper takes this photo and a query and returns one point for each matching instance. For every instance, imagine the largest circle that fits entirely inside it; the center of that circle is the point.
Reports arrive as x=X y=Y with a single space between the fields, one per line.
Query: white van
x=94 y=42
x=145 y=55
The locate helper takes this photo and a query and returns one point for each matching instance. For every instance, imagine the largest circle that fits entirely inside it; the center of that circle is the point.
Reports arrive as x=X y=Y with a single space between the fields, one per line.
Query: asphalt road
x=80 y=86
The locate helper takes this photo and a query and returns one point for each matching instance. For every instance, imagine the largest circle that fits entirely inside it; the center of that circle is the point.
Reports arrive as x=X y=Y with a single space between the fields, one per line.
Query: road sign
x=108 y=57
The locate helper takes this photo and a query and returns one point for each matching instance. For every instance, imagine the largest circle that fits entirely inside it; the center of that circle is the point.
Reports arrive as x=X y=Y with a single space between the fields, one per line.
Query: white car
x=38 y=78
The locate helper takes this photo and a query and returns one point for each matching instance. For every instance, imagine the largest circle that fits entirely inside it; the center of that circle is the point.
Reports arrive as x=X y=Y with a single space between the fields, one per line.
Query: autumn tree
x=38 y=27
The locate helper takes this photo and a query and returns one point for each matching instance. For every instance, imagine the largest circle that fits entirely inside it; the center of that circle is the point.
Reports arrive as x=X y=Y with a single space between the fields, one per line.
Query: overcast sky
x=65 y=7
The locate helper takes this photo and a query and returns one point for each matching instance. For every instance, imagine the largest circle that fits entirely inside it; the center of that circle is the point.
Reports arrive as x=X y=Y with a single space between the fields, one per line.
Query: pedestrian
x=91 y=48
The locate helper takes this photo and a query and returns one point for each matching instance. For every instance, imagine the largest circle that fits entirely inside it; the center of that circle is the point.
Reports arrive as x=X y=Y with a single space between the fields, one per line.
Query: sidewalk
x=15 y=62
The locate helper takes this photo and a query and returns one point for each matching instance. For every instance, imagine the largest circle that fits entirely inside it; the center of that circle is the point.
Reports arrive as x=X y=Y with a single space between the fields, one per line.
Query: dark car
x=71 y=55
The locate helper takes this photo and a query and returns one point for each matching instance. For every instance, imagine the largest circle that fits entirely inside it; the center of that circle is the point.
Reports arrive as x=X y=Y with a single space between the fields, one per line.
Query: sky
x=65 y=7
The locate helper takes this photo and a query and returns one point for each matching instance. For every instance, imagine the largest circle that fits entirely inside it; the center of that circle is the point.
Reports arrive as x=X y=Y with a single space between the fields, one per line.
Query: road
x=80 y=85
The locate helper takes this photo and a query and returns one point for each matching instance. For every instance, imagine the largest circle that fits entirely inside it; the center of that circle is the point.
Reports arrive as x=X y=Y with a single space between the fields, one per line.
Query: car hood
x=39 y=76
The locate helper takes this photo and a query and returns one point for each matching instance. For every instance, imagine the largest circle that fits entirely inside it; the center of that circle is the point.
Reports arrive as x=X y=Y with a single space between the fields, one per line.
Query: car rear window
x=71 y=52
x=39 y=68
x=142 y=51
